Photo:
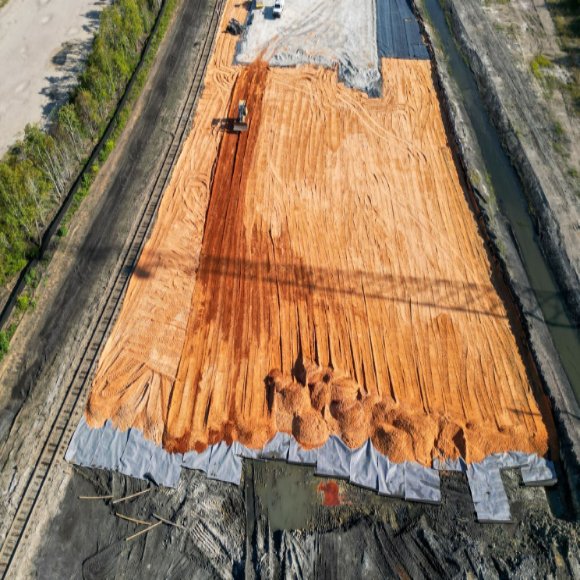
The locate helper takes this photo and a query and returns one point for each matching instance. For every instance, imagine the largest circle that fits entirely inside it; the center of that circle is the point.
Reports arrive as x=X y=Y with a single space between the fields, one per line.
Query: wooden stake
x=168 y=522
x=143 y=532
x=96 y=496
x=134 y=520
x=133 y=495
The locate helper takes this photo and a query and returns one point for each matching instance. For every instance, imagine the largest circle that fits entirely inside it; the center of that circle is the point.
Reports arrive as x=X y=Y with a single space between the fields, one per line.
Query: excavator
x=241 y=123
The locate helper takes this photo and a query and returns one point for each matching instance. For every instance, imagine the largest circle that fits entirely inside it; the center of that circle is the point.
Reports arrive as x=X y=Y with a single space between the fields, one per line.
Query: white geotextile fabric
x=334 y=459
x=421 y=483
x=131 y=454
x=322 y=32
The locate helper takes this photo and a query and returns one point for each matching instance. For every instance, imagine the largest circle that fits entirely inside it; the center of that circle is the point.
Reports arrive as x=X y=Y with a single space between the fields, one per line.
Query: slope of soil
x=340 y=284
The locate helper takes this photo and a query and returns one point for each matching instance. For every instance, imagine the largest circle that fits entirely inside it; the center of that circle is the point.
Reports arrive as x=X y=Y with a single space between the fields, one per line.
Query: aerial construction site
x=320 y=286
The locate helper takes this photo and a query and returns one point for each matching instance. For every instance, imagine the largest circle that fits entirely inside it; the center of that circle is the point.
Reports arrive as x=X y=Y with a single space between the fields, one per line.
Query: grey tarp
x=302 y=456
x=83 y=444
x=334 y=459
x=164 y=468
x=136 y=458
x=506 y=460
x=197 y=461
x=277 y=447
x=539 y=471
x=488 y=493
x=110 y=448
x=450 y=464
x=363 y=466
x=246 y=452
x=422 y=483
x=224 y=464
x=391 y=477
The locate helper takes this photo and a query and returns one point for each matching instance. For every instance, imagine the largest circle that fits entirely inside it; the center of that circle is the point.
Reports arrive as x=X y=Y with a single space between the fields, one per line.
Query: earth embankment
x=321 y=273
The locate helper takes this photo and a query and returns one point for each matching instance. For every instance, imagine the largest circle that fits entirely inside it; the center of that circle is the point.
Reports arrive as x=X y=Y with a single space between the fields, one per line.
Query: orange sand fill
x=338 y=283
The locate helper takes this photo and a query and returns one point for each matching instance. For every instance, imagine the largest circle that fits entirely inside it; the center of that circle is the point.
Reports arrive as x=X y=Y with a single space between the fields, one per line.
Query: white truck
x=278 y=8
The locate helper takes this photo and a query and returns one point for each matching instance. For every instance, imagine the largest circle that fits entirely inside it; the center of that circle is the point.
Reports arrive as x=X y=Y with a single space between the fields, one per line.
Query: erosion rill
x=322 y=273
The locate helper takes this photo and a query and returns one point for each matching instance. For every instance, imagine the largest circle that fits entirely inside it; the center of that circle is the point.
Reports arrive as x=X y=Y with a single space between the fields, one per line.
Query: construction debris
x=145 y=531
x=169 y=523
x=133 y=520
x=132 y=496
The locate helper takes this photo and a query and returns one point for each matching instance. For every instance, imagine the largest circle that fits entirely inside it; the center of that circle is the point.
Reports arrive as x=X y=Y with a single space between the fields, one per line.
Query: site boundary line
x=72 y=405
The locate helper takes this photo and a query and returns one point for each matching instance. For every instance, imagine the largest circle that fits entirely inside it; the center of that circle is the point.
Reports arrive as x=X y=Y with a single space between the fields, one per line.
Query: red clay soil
x=321 y=273
x=330 y=493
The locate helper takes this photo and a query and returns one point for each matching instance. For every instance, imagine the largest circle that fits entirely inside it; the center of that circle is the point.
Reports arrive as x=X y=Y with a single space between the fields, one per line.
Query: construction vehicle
x=278 y=8
x=235 y=27
x=241 y=123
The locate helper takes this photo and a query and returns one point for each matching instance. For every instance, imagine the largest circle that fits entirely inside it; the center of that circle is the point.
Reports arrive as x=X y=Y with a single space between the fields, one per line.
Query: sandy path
x=338 y=283
x=32 y=34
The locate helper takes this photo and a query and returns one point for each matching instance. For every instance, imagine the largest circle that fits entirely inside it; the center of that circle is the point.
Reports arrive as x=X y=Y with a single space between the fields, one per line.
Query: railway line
x=73 y=401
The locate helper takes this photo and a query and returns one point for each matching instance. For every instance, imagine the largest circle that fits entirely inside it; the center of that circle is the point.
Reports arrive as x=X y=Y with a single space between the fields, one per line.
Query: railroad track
x=73 y=402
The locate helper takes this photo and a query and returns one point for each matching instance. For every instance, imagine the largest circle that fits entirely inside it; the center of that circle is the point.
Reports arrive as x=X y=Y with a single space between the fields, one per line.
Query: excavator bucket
x=240 y=127
x=241 y=124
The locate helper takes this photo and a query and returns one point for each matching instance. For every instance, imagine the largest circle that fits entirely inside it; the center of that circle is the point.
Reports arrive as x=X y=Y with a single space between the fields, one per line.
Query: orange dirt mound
x=333 y=242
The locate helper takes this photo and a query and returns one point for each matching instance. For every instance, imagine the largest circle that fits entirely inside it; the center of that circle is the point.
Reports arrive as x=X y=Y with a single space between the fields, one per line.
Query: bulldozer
x=241 y=123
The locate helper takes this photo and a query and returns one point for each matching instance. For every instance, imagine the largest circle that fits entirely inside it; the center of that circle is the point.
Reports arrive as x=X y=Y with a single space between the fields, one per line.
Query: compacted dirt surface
x=320 y=273
x=43 y=45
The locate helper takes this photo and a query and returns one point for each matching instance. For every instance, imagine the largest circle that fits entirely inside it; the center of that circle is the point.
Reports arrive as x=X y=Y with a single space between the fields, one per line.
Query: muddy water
x=288 y=494
x=513 y=204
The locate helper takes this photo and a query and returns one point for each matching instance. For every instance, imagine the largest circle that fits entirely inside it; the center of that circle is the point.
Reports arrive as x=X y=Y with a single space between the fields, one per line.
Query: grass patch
x=540 y=63
x=566 y=17
x=5 y=338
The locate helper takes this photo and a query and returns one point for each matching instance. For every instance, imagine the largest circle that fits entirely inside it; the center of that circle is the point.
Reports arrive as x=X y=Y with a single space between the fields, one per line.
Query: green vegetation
x=36 y=173
x=539 y=64
x=4 y=344
x=24 y=303
x=566 y=16
x=5 y=337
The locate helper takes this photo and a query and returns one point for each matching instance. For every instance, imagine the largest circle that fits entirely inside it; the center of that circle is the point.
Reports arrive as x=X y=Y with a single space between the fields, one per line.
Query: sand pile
x=322 y=401
x=330 y=33
x=332 y=243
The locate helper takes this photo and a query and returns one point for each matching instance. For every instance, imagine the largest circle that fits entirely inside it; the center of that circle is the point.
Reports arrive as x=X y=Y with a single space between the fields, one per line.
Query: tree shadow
x=68 y=63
